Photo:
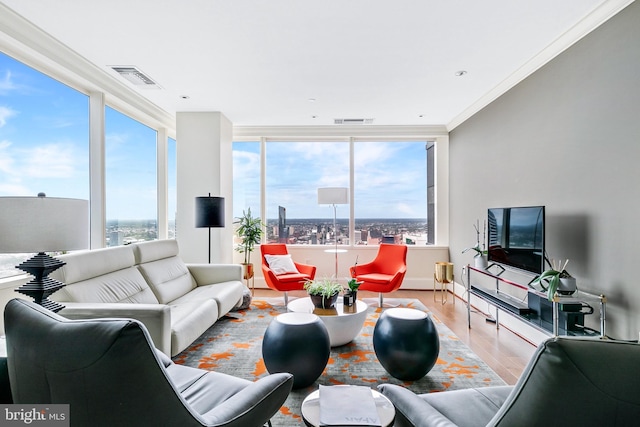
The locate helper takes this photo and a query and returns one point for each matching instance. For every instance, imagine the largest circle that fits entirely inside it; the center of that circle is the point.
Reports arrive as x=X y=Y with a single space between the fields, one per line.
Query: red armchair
x=385 y=273
x=280 y=279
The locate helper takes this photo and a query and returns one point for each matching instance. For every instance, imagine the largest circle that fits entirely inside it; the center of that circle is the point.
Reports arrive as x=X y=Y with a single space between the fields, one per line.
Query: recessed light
x=311 y=100
x=185 y=96
x=460 y=73
x=314 y=117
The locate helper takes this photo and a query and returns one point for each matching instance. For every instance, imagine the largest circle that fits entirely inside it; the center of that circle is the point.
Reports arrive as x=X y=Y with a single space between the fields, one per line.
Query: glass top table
x=343 y=323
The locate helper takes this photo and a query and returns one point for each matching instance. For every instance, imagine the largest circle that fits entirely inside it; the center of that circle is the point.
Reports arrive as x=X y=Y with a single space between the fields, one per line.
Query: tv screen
x=516 y=237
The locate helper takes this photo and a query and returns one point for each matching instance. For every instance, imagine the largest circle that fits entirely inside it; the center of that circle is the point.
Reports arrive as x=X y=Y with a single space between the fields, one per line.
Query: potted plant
x=323 y=293
x=556 y=279
x=250 y=232
x=480 y=258
x=351 y=295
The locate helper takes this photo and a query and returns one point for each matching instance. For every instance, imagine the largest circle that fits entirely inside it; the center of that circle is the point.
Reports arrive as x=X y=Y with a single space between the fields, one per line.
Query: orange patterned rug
x=233 y=345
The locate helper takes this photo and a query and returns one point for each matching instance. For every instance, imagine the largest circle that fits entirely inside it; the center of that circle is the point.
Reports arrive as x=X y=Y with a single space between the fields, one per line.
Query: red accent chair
x=385 y=273
x=286 y=281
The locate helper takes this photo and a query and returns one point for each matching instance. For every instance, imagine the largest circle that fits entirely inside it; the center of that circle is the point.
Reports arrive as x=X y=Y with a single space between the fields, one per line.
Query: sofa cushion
x=225 y=294
x=155 y=250
x=127 y=286
x=189 y=320
x=83 y=265
x=168 y=278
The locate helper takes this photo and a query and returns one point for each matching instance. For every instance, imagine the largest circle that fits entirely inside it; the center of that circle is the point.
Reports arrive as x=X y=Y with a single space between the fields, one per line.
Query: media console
x=562 y=316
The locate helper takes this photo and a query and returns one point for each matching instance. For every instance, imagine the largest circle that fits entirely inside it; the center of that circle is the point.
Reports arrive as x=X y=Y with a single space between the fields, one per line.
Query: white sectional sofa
x=149 y=282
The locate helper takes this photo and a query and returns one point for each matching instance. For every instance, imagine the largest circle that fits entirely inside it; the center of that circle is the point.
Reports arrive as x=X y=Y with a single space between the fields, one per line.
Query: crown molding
x=339 y=132
x=593 y=20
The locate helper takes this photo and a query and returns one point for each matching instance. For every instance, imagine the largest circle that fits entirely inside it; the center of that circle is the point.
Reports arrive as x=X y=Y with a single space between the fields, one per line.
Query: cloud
x=5 y=113
x=6 y=84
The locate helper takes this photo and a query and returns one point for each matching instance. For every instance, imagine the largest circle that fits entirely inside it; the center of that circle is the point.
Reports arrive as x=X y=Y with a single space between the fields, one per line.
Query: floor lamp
x=334 y=196
x=42 y=224
x=209 y=214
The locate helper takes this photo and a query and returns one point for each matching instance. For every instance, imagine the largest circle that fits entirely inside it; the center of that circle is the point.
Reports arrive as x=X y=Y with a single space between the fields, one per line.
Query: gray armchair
x=109 y=373
x=568 y=382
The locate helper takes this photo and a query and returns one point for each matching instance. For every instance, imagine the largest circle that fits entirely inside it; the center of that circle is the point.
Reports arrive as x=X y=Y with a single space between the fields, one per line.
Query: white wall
x=567 y=137
x=420 y=262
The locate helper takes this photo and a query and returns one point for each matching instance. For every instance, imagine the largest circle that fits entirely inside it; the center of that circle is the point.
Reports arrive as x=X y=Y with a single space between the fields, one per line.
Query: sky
x=389 y=178
x=44 y=134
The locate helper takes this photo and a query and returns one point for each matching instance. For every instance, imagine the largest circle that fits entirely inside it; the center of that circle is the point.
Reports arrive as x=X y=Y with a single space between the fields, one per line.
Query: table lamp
x=43 y=224
x=209 y=213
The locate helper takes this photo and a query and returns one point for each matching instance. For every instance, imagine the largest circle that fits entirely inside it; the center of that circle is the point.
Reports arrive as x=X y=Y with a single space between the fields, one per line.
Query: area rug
x=233 y=345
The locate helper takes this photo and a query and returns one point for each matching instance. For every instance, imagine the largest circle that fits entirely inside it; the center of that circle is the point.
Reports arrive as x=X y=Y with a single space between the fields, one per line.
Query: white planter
x=480 y=262
x=567 y=286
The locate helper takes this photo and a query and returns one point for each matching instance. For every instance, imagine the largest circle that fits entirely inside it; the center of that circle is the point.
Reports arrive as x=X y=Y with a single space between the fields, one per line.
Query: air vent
x=352 y=121
x=135 y=76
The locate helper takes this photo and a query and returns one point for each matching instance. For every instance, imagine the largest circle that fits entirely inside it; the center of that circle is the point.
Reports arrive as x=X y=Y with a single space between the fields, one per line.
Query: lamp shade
x=209 y=211
x=43 y=224
x=333 y=196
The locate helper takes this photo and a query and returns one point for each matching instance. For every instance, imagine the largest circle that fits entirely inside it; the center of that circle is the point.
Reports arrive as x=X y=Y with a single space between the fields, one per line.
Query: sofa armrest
x=412 y=408
x=155 y=317
x=208 y=274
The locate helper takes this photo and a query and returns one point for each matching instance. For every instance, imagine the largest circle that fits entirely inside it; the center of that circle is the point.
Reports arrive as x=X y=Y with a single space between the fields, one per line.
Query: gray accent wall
x=567 y=137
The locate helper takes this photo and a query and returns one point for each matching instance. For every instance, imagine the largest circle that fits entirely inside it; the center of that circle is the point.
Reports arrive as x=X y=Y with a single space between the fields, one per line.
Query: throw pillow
x=281 y=264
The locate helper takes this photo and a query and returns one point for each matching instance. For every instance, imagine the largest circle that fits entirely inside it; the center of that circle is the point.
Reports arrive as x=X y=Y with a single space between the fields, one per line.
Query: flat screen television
x=516 y=237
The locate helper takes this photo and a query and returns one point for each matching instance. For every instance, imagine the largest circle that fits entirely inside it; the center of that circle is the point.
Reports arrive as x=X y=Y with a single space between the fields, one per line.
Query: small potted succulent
x=556 y=279
x=323 y=293
x=351 y=294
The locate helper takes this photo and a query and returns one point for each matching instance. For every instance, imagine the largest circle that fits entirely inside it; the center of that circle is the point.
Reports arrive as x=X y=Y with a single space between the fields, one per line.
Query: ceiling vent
x=352 y=121
x=136 y=77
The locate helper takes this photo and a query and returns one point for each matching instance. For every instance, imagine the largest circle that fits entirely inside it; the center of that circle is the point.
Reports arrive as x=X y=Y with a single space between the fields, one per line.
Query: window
x=44 y=140
x=246 y=178
x=294 y=172
x=389 y=180
x=130 y=181
x=390 y=192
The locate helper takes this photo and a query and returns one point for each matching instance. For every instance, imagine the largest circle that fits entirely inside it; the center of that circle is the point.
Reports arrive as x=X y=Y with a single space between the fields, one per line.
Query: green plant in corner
x=250 y=233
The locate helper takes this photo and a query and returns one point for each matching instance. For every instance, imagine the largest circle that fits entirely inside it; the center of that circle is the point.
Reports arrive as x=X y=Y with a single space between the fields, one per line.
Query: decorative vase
x=247 y=270
x=320 y=301
x=350 y=297
x=567 y=286
x=480 y=262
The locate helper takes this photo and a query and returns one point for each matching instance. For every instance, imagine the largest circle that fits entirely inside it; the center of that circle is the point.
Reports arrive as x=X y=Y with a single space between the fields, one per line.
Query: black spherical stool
x=297 y=343
x=406 y=343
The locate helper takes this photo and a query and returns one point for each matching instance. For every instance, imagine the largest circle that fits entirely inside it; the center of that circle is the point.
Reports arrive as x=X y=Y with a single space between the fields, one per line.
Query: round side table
x=297 y=343
x=406 y=343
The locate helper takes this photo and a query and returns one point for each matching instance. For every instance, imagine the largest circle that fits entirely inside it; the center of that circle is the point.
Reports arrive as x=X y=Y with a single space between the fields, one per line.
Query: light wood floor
x=505 y=352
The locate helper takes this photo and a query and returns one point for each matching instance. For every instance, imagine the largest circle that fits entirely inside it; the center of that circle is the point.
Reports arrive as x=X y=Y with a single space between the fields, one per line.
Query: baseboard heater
x=503 y=301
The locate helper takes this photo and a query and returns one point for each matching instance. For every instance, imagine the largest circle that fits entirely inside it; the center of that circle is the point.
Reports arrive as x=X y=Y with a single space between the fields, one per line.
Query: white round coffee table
x=343 y=323
x=311 y=409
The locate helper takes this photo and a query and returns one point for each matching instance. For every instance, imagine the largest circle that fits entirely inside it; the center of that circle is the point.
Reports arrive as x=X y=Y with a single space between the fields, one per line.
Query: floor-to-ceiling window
x=390 y=192
x=387 y=178
x=44 y=140
x=294 y=172
x=130 y=180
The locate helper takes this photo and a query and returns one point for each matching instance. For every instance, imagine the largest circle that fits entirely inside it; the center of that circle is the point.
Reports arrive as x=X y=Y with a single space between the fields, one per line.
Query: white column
x=204 y=159
x=97 y=209
x=163 y=183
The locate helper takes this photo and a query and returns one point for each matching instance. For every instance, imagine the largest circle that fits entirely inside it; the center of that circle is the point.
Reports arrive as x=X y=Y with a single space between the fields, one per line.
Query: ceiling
x=299 y=62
